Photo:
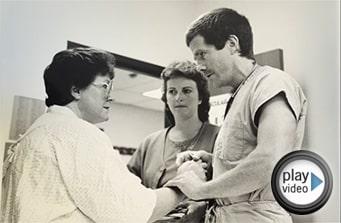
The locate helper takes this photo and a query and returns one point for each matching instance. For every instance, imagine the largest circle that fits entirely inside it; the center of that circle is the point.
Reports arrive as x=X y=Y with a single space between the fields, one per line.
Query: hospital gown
x=64 y=169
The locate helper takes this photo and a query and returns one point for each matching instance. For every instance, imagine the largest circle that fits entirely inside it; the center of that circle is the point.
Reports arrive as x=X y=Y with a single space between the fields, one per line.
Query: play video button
x=301 y=182
x=315 y=181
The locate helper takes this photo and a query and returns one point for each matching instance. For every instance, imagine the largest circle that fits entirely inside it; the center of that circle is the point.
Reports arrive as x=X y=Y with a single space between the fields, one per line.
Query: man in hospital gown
x=264 y=120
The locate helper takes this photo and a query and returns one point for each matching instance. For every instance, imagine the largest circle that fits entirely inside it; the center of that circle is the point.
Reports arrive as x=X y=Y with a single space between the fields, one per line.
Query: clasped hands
x=191 y=174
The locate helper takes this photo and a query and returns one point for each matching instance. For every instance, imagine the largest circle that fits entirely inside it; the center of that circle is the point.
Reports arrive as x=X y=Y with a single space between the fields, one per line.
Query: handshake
x=192 y=173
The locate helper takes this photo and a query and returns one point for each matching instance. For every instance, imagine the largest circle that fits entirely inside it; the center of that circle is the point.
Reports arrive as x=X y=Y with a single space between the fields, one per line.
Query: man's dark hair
x=76 y=67
x=218 y=25
x=188 y=70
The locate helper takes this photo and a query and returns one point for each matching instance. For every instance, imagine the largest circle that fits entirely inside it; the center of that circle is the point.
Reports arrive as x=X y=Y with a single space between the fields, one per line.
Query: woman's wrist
x=181 y=196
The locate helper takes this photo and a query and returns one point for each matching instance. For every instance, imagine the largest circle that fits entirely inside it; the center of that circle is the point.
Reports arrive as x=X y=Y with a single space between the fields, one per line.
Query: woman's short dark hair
x=218 y=25
x=189 y=70
x=78 y=68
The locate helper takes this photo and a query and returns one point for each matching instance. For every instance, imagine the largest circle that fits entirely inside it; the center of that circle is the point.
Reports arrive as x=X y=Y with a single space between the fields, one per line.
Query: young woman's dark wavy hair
x=189 y=70
x=76 y=67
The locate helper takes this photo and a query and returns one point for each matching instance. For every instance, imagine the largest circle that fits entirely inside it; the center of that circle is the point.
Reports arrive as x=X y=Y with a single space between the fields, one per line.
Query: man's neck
x=242 y=70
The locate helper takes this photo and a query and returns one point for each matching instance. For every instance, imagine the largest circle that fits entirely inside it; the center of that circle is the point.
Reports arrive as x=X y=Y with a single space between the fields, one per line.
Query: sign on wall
x=218 y=105
x=25 y=111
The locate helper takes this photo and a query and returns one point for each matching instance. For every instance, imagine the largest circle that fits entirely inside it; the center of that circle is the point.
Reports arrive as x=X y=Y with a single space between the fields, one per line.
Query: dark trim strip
x=128 y=63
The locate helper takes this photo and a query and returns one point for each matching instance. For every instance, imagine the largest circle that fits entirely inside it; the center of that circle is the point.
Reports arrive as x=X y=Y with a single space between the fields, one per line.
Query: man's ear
x=75 y=92
x=233 y=43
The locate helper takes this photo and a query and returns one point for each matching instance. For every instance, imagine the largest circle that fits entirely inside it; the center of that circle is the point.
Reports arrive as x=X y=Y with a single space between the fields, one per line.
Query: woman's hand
x=198 y=167
x=194 y=155
x=195 y=211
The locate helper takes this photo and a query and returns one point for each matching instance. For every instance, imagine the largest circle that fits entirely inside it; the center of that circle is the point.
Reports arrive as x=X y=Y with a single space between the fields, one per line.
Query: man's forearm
x=251 y=174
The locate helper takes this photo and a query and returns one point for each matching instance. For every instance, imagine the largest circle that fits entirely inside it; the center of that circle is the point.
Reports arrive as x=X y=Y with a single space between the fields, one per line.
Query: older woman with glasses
x=185 y=93
x=64 y=169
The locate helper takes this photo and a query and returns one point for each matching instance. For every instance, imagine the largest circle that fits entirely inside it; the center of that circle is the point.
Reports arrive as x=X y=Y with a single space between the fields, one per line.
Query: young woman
x=185 y=93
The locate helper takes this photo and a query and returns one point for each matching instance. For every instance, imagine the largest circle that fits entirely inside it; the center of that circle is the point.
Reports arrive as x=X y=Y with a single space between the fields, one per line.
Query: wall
x=129 y=125
x=307 y=31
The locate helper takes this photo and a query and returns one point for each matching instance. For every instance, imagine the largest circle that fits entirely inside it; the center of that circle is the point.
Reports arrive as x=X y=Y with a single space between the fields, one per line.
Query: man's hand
x=189 y=183
x=194 y=155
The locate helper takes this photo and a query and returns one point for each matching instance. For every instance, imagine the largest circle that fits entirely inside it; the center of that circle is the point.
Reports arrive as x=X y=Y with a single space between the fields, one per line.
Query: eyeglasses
x=108 y=87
